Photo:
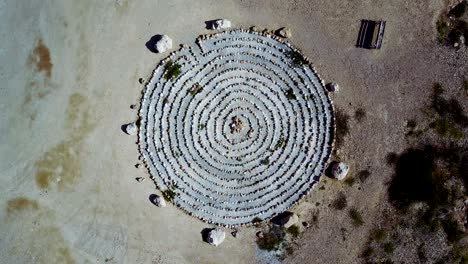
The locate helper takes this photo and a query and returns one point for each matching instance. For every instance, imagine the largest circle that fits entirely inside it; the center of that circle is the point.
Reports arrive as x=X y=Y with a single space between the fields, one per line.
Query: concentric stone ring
x=242 y=133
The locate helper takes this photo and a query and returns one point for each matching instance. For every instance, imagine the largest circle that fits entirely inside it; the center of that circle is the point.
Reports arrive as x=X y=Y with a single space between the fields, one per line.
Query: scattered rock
x=456 y=44
x=130 y=128
x=462 y=40
x=132 y=106
x=159 y=201
x=234 y=233
x=259 y=234
x=220 y=24
x=141 y=80
x=333 y=87
x=163 y=44
x=305 y=224
x=138 y=165
x=253 y=28
x=286 y=219
x=140 y=179
x=216 y=237
x=339 y=170
x=284 y=32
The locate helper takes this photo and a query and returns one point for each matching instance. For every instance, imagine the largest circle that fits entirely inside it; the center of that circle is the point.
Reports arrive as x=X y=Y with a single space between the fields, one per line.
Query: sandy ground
x=70 y=71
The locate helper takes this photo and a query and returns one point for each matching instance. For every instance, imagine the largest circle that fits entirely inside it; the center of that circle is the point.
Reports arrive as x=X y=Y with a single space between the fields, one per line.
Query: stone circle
x=242 y=133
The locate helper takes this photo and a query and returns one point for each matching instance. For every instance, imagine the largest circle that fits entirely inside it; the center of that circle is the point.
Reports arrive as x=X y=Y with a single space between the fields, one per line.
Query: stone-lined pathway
x=278 y=149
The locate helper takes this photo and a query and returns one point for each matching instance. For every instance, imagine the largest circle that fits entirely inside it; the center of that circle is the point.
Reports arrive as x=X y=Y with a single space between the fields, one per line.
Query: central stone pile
x=242 y=133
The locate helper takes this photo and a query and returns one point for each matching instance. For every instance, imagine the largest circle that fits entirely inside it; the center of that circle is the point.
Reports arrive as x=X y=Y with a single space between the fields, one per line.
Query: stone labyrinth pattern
x=225 y=136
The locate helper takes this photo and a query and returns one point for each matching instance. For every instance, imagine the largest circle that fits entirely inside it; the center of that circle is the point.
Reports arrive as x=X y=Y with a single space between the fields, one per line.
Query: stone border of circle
x=197 y=42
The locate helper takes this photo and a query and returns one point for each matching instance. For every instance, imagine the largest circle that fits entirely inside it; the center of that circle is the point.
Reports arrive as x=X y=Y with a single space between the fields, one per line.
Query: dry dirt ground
x=69 y=72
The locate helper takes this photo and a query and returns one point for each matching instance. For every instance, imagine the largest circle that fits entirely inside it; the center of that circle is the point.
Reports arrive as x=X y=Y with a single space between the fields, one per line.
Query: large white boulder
x=163 y=44
x=159 y=201
x=339 y=170
x=131 y=128
x=216 y=237
x=220 y=24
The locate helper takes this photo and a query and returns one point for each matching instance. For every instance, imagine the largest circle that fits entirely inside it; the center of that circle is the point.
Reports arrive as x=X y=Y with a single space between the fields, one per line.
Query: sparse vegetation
x=169 y=194
x=360 y=114
x=389 y=247
x=297 y=60
x=271 y=239
x=350 y=181
x=342 y=127
x=356 y=217
x=378 y=234
x=340 y=202
x=451 y=26
x=363 y=175
x=201 y=126
x=281 y=143
x=173 y=70
x=446 y=128
x=293 y=230
x=265 y=161
x=196 y=89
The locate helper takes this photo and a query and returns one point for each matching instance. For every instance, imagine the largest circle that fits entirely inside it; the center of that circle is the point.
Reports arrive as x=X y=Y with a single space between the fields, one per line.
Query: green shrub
x=265 y=161
x=196 y=88
x=378 y=234
x=281 y=143
x=356 y=217
x=340 y=202
x=172 y=70
x=447 y=129
x=290 y=94
x=169 y=194
x=389 y=247
x=350 y=181
x=271 y=240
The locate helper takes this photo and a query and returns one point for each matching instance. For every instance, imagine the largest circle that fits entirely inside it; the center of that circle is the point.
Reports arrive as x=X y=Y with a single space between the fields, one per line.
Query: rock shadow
x=204 y=233
x=150 y=44
x=209 y=23
x=152 y=198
